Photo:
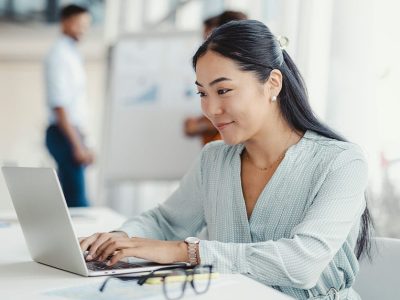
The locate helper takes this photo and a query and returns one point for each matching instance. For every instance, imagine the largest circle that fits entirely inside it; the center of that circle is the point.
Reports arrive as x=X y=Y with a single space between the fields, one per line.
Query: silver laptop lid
x=43 y=215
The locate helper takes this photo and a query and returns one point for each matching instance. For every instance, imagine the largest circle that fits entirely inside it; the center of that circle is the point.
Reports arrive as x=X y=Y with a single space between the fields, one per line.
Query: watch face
x=192 y=240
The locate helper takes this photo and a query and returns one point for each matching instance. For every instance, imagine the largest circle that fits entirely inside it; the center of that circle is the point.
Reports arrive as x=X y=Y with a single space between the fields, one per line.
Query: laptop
x=46 y=224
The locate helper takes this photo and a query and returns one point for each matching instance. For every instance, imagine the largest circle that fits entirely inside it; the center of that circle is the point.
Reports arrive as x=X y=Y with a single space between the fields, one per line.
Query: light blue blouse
x=301 y=236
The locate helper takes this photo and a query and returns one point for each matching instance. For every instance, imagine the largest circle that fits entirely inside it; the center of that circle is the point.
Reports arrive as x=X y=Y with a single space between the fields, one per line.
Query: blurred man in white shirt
x=66 y=95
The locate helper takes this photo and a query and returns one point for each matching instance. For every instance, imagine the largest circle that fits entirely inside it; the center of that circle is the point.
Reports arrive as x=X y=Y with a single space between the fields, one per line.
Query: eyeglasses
x=174 y=279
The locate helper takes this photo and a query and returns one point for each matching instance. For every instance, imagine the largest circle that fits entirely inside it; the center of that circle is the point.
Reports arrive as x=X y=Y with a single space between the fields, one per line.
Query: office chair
x=379 y=279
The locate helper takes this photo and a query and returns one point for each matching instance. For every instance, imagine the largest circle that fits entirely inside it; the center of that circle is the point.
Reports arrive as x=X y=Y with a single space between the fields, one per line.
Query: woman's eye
x=201 y=94
x=223 y=91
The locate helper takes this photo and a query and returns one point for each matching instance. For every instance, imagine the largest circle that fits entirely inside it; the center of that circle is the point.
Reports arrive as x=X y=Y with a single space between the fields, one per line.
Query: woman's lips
x=222 y=126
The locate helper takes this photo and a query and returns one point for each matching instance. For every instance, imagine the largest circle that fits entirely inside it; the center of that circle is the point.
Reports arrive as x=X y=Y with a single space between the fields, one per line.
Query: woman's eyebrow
x=214 y=81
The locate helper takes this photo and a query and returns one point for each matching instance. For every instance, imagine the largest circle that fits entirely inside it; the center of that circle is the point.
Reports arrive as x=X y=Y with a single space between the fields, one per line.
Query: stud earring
x=273 y=98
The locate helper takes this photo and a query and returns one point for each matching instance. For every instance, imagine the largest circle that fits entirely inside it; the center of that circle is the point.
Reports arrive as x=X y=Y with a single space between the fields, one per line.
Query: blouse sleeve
x=299 y=261
x=180 y=216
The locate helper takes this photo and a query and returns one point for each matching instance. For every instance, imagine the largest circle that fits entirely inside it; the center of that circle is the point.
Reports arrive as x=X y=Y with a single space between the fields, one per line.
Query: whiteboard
x=151 y=93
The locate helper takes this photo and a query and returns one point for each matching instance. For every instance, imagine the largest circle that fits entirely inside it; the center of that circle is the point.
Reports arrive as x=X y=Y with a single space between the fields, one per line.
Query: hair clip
x=283 y=41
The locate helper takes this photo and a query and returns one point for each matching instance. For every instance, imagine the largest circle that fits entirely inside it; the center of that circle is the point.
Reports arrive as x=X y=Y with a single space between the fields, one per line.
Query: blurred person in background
x=65 y=81
x=201 y=126
x=209 y=25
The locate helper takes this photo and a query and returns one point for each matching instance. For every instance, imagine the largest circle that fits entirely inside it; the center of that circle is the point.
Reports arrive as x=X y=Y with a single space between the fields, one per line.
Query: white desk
x=21 y=278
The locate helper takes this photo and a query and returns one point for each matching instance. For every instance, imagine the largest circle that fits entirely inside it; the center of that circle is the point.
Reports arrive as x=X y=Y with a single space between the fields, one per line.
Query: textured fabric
x=301 y=236
x=65 y=80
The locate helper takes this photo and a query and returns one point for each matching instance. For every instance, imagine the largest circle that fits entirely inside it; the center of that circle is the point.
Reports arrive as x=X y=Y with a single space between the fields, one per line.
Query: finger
x=116 y=245
x=101 y=238
x=87 y=241
x=114 y=236
x=120 y=255
x=111 y=248
x=117 y=237
x=100 y=251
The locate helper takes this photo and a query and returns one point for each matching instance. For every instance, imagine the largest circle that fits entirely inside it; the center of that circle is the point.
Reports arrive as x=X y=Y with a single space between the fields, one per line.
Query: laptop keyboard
x=102 y=266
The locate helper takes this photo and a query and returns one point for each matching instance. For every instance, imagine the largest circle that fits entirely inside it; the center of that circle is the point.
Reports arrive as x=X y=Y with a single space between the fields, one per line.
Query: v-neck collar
x=278 y=175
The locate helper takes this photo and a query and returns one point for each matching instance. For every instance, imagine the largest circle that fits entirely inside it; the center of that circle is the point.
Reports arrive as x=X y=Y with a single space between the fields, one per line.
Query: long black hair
x=252 y=46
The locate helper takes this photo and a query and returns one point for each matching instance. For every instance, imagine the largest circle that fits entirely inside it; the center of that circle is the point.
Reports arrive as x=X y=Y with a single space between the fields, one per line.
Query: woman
x=282 y=198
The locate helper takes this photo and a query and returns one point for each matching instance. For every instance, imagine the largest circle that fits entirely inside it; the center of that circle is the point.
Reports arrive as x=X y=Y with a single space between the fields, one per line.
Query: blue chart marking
x=148 y=96
x=4 y=224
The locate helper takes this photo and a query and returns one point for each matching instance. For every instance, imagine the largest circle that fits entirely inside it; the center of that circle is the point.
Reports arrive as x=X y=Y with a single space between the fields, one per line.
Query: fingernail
x=109 y=263
x=89 y=257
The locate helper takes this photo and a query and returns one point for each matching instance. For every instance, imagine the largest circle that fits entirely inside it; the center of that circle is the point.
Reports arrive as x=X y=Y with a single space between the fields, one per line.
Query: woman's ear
x=274 y=82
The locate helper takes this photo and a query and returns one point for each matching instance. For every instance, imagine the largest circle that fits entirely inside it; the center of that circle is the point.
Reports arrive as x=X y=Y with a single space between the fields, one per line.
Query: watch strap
x=192 y=253
x=193 y=250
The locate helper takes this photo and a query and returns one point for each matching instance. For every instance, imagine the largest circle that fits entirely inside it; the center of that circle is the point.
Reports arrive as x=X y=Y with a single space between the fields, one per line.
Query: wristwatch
x=193 y=247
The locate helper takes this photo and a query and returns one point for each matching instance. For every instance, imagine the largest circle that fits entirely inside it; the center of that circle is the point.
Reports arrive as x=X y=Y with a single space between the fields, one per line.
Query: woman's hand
x=163 y=252
x=118 y=245
x=93 y=242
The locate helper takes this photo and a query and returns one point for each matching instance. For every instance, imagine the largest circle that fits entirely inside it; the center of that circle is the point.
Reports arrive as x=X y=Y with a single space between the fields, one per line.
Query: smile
x=222 y=126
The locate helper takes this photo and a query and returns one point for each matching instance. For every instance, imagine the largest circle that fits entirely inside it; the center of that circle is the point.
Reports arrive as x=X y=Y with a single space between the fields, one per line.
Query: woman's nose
x=212 y=107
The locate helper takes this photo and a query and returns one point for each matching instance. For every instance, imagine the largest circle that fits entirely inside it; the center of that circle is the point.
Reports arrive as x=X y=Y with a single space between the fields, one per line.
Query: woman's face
x=235 y=101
